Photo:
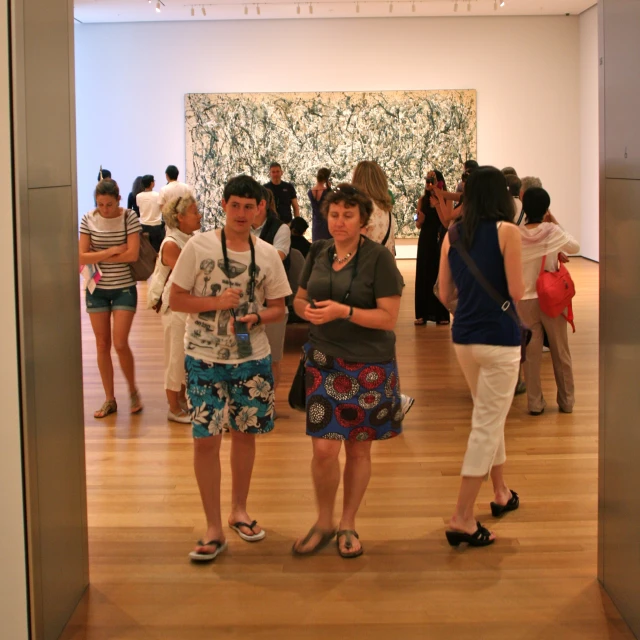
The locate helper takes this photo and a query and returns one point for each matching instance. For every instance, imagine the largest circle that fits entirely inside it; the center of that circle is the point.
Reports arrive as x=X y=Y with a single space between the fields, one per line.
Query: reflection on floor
x=537 y=581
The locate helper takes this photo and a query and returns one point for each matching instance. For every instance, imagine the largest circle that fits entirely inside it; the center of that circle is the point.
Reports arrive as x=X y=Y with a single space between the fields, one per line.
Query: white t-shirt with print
x=200 y=270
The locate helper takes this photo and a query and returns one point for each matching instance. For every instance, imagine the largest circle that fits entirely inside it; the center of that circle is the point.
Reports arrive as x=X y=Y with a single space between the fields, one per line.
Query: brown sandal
x=349 y=534
x=107 y=408
x=136 y=403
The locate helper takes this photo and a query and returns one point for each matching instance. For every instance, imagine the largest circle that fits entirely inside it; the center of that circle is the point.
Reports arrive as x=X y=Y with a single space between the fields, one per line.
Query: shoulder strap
x=503 y=303
x=521 y=217
x=384 y=241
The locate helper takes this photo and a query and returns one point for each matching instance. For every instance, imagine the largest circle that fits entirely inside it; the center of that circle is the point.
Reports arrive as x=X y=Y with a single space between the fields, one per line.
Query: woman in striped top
x=110 y=238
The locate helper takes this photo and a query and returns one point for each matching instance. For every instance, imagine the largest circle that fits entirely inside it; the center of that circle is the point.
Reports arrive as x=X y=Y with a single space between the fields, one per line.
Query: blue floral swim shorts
x=245 y=389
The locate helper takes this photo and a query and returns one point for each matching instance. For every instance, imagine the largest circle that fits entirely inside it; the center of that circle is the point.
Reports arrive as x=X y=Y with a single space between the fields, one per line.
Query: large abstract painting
x=406 y=132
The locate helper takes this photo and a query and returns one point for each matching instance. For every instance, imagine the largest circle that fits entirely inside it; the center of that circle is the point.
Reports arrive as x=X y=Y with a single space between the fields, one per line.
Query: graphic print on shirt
x=213 y=328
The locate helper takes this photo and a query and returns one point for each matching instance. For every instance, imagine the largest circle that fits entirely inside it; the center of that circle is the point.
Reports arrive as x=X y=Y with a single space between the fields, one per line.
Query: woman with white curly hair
x=182 y=219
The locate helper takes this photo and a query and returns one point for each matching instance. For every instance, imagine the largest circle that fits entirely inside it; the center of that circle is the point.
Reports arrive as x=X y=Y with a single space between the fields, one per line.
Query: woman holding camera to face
x=350 y=293
x=432 y=228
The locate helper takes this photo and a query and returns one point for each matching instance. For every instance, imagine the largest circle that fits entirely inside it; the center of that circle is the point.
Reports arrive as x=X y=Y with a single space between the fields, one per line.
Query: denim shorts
x=100 y=300
x=245 y=389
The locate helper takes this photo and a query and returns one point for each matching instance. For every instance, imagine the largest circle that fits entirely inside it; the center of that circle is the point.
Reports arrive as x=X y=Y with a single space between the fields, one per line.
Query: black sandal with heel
x=481 y=537
x=499 y=509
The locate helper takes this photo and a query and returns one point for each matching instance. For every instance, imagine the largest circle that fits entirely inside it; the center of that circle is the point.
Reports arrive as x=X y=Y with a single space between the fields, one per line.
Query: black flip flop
x=201 y=556
x=348 y=533
x=325 y=539
x=478 y=539
x=499 y=509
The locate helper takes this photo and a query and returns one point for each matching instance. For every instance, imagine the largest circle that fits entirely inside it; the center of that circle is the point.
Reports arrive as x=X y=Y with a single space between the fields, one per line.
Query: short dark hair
x=147 y=181
x=107 y=187
x=243 y=187
x=172 y=172
x=535 y=203
x=514 y=184
x=509 y=171
x=470 y=165
x=275 y=164
x=350 y=196
x=103 y=174
x=299 y=226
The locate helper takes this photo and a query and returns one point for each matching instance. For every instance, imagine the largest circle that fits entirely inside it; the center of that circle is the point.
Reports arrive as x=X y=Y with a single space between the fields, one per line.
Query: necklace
x=341 y=260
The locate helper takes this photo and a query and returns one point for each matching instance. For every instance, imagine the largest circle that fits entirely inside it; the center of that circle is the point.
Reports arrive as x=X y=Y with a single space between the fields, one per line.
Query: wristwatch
x=258 y=321
x=350 y=313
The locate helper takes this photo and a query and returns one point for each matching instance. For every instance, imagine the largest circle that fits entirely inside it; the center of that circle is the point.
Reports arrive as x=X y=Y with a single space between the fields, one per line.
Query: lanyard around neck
x=252 y=266
x=354 y=273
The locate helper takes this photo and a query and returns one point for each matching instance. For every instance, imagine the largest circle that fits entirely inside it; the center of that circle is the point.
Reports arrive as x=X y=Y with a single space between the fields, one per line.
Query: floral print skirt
x=240 y=395
x=351 y=400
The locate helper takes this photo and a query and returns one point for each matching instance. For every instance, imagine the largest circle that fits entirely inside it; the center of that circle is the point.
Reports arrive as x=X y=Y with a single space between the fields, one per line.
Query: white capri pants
x=492 y=374
x=275 y=334
x=173 y=324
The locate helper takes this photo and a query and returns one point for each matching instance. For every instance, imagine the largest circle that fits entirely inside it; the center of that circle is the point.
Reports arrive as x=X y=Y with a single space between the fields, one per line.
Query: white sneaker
x=182 y=417
x=406 y=402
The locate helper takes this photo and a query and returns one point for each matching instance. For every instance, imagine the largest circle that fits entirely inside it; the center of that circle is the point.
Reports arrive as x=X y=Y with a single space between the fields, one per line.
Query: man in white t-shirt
x=173 y=188
x=272 y=230
x=231 y=285
x=151 y=212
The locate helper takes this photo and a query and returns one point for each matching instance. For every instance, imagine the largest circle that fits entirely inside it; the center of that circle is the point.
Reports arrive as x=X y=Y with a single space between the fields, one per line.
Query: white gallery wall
x=131 y=80
x=589 y=135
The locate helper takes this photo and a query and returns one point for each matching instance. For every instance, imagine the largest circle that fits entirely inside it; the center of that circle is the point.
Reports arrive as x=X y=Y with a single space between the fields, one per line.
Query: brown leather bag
x=144 y=266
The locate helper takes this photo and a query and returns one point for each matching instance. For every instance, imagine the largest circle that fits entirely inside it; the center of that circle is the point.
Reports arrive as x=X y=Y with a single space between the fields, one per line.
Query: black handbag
x=297 y=393
x=505 y=304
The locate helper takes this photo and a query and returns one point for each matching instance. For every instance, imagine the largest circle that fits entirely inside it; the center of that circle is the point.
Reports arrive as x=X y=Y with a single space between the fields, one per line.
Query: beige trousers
x=491 y=373
x=173 y=325
x=556 y=330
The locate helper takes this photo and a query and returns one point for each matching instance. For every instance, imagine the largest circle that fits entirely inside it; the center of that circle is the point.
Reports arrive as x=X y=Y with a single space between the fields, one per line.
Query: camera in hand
x=243 y=340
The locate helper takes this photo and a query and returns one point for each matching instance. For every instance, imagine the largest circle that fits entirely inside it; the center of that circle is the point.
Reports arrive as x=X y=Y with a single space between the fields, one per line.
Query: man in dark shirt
x=284 y=194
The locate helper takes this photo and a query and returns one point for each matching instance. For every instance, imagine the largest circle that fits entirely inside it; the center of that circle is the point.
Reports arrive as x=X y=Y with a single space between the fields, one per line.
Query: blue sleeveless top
x=478 y=318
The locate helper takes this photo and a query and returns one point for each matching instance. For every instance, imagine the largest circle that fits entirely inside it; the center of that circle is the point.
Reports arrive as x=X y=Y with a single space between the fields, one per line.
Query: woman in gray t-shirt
x=350 y=292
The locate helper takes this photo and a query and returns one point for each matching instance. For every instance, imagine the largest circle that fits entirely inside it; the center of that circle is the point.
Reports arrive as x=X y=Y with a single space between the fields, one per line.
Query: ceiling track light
x=193 y=12
x=204 y=11
x=246 y=10
x=469 y=5
x=455 y=7
x=298 y=9
x=413 y=7
x=357 y=7
x=258 y=9
x=158 y=8
x=310 y=8
x=391 y=7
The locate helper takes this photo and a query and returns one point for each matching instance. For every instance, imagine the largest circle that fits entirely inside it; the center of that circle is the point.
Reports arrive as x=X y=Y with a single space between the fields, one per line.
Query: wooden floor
x=537 y=582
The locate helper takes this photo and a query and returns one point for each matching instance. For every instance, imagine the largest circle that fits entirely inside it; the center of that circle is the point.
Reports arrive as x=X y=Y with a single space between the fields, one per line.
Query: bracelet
x=350 y=313
x=258 y=321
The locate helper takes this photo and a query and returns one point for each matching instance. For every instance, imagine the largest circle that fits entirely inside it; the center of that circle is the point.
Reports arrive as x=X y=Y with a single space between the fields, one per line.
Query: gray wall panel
x=48 y=92
x=619 y=498
x=620 y=344
x=621 y=23
x=49 y=316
